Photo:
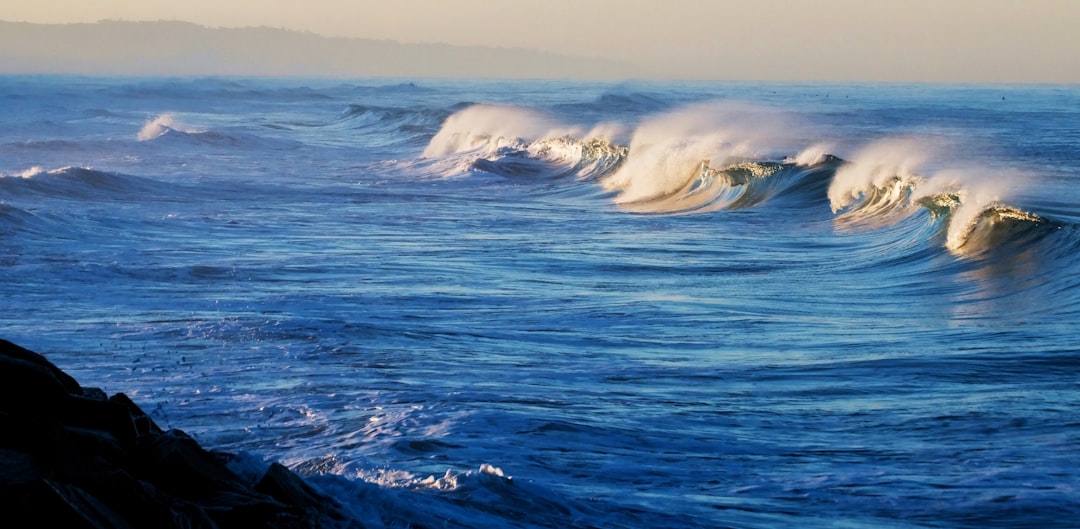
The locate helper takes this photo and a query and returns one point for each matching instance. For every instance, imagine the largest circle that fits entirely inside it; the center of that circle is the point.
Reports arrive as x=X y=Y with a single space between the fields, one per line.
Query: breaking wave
x=732 y=155
x=518 y=142
x=159 y=126
x=891 y=179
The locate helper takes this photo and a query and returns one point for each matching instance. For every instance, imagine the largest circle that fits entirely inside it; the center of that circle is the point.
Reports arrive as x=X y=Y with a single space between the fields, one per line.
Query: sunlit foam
x=879 y=166
x=668 y=151
x=491 y=127
x=975 y=191
x=160 y=125
x=37 y=170
x=31 y=172
x=812 y=155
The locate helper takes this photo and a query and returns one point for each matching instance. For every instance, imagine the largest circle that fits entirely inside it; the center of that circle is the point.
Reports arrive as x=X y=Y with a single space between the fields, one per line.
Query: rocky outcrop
x=74 y=457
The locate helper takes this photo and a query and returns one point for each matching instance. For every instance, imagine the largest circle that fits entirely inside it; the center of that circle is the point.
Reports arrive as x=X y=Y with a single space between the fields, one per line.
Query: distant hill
x=181 y=48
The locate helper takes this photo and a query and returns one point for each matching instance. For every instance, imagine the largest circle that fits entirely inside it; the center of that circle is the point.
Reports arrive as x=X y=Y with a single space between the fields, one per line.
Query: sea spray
x=29 y=172
x=886 y=167
x=667 y=151
x=156 y=127
x=812 y=155
x=973 y=195
x=489 y=127
x=163 y=123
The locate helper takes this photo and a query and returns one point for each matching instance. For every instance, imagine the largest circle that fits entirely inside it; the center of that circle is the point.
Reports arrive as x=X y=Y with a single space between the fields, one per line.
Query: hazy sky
x=895 y=40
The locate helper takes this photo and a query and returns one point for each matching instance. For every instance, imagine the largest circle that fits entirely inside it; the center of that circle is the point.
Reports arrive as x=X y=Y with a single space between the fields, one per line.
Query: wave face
x=76 y=183
x=551 y=304
x=733 y=155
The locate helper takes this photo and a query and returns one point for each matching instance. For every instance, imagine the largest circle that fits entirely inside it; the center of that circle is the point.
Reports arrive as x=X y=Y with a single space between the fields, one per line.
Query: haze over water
x=973 y=41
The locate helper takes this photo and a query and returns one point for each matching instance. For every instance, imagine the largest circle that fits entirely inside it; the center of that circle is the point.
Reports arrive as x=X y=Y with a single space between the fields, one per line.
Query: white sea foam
x=28 y=172
x=976 y=190
x=902 y=172
x=155 y=127
x=812 y=155
x=162 y=124
x=667 y=151
x=493 y=126
x=37 y=170
x=876 y=166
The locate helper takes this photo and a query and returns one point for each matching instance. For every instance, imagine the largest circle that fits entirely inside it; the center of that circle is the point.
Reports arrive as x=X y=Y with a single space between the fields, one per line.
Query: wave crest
x=997 y=226
x=489 y=127
x=157 y=127
x=517 y=142
x=666 y=153
x=731 y=155
x=73 y=182
x=879 y=178
x=892 y=179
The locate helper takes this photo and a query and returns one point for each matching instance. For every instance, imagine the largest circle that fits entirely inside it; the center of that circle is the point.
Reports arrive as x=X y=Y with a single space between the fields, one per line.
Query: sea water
x=568 y=304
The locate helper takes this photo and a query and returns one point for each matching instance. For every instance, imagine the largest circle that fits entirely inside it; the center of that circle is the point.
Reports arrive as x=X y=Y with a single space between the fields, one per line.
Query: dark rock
x=144 y=505
x=114 y=418
x=12 y=352
x=45 y=503
x=95 y=394
x=175 y=462
x=29 y=384
x=143 y=424
x=73 y=457
x=285 y=486
x=18 y=468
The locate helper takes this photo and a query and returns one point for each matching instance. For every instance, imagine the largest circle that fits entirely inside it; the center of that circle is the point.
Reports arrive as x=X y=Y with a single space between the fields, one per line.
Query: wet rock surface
x=74 y=457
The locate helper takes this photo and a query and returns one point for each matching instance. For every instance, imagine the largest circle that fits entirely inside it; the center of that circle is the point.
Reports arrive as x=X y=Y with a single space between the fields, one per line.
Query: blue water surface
x=562 y=304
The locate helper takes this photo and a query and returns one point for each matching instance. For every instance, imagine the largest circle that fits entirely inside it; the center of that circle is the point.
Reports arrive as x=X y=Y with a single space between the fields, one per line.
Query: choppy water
x=554 y=304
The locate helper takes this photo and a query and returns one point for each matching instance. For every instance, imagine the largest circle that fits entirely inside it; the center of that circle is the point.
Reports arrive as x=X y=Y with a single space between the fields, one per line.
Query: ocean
x=551 y=304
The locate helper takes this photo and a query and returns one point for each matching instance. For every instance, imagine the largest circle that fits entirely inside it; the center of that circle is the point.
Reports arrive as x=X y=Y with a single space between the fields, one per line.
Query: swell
x=617 y=102
x=76 y=183
x=12 y=220
x=170 y=131
x=38 y=205
x=201 y=89
x=397 y=125
x=400 y=118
